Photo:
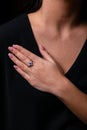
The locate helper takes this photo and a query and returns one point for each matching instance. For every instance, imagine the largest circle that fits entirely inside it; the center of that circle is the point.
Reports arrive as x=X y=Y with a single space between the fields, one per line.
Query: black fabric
x=24 y=107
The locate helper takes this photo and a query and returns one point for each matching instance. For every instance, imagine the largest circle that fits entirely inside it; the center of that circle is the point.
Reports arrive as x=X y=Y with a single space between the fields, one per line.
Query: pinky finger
x=22 y=73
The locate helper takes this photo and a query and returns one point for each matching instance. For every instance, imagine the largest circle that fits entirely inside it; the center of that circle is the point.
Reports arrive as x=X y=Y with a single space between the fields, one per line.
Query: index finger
x=26 y=52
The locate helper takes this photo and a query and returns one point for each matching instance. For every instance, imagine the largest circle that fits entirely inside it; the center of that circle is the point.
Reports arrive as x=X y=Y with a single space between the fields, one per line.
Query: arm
x=74 y=99
x=44 y=74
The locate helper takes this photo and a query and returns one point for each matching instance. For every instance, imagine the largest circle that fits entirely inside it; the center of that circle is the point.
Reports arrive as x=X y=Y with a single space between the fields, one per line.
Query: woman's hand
x=45 y=75
x=42 y=73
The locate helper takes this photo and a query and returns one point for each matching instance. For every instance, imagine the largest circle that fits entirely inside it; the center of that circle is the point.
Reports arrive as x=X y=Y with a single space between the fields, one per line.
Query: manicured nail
x=15 y=66
x=14 y=45
x=10 y=48
x=10 y=55
x=42 y=47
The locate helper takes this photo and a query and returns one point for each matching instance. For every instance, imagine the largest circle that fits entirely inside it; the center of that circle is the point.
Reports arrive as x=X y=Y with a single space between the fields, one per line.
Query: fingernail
x=15 y=66
x=10 y=55
x=10 y=48
x=14 y=45
x=42 y=47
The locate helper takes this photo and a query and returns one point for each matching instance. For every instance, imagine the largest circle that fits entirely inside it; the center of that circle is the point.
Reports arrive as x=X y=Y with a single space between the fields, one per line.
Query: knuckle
x=22 y=51
x=26 y=60
x=15 y=61
x=23 y=67
x=23 y=58
x=15 y=51
x=26 y=77
x=32 y=81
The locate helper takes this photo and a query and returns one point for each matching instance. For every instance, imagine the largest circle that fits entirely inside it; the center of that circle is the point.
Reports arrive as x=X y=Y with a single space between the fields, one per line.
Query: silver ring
x=30 y=63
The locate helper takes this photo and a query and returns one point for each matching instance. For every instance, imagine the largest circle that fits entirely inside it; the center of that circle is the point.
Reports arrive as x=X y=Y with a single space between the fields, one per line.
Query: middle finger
x=19 y=63
x=20 y=56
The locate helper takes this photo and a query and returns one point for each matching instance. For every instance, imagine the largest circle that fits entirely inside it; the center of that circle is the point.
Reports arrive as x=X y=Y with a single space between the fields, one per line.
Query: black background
x=11 y=8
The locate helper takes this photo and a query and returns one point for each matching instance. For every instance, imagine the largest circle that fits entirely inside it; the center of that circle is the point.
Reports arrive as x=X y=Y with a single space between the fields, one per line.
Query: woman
x=55 y=94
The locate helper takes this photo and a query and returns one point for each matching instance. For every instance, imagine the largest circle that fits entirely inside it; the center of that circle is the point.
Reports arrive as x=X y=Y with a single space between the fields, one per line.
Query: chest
x=65 y=52
x=66 y=49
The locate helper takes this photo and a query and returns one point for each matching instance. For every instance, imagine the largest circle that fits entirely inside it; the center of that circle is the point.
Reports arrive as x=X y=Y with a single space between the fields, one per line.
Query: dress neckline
x=73 y=66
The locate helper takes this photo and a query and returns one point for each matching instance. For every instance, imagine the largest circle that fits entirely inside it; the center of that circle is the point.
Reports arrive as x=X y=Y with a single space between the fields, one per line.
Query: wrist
x=61 y=87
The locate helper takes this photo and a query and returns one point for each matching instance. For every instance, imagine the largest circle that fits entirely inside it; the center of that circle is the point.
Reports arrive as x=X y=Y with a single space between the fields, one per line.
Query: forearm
x=74 y=99
x=68 y=93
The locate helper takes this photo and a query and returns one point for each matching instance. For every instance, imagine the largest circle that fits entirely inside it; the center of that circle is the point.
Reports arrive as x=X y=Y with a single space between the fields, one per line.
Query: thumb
x=45 y=54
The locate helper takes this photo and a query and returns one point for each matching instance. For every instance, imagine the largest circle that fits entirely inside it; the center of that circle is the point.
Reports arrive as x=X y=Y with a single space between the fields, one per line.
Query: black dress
x=24 y=107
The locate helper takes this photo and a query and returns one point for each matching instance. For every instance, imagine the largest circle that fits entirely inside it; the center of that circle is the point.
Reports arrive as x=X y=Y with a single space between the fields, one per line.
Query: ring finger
x=25 y=59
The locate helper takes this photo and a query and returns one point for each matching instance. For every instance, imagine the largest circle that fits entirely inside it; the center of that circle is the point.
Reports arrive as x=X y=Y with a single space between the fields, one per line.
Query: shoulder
x=16 y=31
x=13 y=28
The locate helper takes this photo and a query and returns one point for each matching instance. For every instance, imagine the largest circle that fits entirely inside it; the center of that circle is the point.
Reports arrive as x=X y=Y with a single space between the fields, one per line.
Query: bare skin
x=57 y=33
x=62 y=42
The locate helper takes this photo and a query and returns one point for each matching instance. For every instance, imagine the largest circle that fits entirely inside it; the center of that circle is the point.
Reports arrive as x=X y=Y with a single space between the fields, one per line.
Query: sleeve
x=9 y=33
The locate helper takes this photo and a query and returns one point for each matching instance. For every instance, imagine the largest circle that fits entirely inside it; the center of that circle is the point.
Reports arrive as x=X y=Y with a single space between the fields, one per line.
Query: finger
x=19 y=55
x=45 y=54
x=22 y=73
x=26 y=52
x=21 y=65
